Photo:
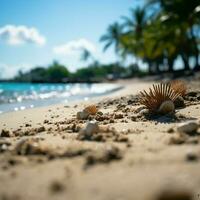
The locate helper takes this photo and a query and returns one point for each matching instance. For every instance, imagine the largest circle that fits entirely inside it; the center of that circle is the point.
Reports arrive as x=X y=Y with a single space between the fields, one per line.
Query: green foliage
x=159 y=33
x=95 y=72
x=56 y=72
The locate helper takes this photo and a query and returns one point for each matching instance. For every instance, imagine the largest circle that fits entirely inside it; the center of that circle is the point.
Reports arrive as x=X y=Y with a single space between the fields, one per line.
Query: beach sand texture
x=42 y=155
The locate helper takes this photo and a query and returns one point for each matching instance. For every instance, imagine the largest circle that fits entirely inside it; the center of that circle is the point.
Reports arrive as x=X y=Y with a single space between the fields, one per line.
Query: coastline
x=14 y=118
x=140 y=165
x=18 y=96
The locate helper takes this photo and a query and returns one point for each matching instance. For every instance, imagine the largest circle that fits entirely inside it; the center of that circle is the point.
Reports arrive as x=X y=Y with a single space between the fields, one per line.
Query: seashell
x=179 y=87
x=91 y=128
x=188 y=127
x=82 y=115
x=166 y=107
x=156 y=96
x=92 y=109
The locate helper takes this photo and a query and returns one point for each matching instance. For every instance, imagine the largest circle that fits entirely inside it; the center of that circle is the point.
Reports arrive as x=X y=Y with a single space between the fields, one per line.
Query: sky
x=36 y=32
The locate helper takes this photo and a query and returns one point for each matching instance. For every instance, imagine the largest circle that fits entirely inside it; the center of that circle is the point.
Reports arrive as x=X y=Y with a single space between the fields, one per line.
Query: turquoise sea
x=21 y=96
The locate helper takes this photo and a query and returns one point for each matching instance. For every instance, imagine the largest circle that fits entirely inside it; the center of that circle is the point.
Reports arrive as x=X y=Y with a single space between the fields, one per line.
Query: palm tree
x=136 y=22
x=86 y=55
x=133 y=39
x=112 y=37
x=183 y=16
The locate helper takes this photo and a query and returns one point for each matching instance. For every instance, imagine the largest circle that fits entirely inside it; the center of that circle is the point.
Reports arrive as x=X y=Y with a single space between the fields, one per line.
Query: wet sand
x=42 y=155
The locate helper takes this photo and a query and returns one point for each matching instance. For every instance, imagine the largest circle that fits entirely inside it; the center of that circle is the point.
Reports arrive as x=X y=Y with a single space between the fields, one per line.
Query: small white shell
x=91 y=128
x=188 y=127
x=144 y=111
x=166 y=107
x=82 y=115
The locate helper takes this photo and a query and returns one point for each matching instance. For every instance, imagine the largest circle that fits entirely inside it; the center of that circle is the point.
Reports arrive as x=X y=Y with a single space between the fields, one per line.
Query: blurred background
x=63 y=48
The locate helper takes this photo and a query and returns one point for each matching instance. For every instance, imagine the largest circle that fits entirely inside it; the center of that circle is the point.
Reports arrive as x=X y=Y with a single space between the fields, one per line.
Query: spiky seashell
x=188 y=127
x=92 y=109
x=179 y=87
x=156 y=96
x=91 y=128
x=82 y=115
x=166 y=107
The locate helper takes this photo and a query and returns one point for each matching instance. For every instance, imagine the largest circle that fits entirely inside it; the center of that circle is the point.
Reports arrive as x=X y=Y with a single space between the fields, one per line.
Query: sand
x=135 y=158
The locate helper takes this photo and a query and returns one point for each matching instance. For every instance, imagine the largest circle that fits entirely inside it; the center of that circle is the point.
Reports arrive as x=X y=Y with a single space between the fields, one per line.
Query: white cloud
x=74 y=47
x=16 y=35
x=9 y=71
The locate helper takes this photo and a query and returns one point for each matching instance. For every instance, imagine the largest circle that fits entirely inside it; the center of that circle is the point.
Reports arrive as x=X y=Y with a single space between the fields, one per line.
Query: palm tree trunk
x=157 y=67
x=170 y=65
x=196 y=50
x=185 y=61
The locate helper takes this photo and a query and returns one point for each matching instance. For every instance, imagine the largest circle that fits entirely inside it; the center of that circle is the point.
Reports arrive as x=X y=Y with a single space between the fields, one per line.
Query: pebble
x=188 y=127
x=175 y=194
x=191 y=156
x=91 y=127
x=179 y=102
x=40 y=129
x=82 y=115
x=170 y=130
x=6 y=133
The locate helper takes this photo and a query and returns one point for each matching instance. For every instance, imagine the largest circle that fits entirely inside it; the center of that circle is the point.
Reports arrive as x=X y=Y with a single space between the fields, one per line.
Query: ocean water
x=21 y=96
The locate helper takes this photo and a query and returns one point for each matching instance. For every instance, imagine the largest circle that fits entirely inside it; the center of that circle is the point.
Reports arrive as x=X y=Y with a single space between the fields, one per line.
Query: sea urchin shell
x=155 y=98
x=179 y=87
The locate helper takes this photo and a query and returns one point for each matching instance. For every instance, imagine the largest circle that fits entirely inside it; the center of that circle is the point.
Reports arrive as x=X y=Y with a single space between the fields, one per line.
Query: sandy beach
x=42 y=155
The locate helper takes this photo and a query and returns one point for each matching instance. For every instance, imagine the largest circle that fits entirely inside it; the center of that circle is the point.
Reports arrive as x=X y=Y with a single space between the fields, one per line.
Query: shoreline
x=125 y=89
x=60 y=99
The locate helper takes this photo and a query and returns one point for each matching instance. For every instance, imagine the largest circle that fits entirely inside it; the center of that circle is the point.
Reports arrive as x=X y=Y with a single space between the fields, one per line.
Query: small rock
x=118 y=116
x=175 y=194
x=170 y=130
x=106 y=156
x=27 y=125
x=179 y=102
x=6 y=133
x=91 y=128
x=40 y=129
x=30 y=147
x=111 y=121
x=99 y=113
x=191 y=156
x=4 y=145
x=57 y=186
x=192 y=94
x=189 y=127
x=82 y=115
x=46 y=121
x=134 y=118
x=178 y=139
x=129 y=102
